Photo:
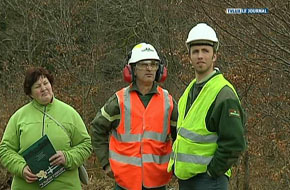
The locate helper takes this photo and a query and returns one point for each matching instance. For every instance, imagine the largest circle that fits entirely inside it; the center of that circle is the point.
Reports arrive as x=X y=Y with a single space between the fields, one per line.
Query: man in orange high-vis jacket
x=141 y=119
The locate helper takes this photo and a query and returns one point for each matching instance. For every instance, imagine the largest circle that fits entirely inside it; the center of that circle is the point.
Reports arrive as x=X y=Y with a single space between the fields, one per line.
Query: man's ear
x=189 y=58
x=134 y=71
x=214 y=57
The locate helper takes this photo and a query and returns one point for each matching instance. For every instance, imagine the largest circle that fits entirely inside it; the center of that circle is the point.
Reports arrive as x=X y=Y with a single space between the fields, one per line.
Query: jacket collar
x=41 y=106
x=134 y=87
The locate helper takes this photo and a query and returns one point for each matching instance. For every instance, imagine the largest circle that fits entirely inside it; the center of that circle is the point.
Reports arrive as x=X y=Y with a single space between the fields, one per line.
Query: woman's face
x=41 y=91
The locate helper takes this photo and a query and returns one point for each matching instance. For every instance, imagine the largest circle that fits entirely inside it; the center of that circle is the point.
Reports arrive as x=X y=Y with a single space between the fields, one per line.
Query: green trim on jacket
x=28 y=124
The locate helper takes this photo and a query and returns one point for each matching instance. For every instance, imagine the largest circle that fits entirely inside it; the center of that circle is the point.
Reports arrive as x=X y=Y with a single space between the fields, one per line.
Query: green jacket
x=226 y=118
x=28 y=124
x=108 y=118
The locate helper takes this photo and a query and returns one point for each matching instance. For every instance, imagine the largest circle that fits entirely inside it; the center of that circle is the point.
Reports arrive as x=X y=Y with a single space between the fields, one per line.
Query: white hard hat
x=202 y=34
x=143 y=51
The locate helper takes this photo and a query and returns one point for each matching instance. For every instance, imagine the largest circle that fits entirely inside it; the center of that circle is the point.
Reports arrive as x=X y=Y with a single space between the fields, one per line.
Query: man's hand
x=57 y=159
x=28 y=175
x=109 y=172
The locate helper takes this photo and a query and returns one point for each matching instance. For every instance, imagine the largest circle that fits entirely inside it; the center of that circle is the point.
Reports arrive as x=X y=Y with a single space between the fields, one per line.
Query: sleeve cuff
x=208 y=173
x=104 y=167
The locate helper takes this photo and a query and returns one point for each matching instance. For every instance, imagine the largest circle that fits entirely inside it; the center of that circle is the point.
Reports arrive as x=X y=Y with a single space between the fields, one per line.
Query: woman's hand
x=28 y=175
x=57 y=159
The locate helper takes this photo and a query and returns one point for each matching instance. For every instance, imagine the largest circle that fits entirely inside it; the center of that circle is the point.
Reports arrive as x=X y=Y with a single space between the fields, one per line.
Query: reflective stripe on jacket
x=195 y=145
x=140 y=148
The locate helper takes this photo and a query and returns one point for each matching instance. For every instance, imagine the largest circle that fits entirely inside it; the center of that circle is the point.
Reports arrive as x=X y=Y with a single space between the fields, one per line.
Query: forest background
x=85 y=44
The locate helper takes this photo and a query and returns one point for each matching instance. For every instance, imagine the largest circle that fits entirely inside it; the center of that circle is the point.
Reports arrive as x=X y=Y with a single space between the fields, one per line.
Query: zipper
x=175 y=153
x=43 y=121
x=141 y=149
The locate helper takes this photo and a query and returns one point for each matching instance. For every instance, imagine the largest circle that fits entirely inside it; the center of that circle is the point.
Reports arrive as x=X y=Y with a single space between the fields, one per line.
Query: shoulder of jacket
x=164 y=89
x=226 y=93
x=23 y=108
x=112 y=100
x=112 y=105
x=64 y=105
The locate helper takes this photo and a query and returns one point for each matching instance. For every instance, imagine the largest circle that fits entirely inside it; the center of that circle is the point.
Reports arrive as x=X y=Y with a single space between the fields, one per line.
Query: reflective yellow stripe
x=108 y=117
x=173 y=123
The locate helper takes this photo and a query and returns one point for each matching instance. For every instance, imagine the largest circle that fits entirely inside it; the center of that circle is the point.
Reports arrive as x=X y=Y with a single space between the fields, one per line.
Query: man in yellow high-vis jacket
x=211 y=120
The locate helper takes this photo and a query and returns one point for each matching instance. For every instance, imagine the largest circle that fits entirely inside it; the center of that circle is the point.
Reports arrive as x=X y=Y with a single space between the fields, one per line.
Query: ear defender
x=127 y=73
x=127 y=70
x=161 y=73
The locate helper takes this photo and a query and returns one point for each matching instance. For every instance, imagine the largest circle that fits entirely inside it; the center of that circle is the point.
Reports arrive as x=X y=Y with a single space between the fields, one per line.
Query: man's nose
x=199 y=55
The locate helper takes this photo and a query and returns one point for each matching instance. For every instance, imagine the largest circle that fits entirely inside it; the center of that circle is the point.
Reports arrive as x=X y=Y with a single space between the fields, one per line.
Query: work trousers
x=204 y=182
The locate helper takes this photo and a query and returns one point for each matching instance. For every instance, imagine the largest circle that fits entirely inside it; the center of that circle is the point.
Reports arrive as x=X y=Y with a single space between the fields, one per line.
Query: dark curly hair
x=32 y=75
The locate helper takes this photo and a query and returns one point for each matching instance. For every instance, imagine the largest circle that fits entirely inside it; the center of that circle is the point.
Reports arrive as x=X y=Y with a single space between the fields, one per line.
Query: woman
x=45 y=115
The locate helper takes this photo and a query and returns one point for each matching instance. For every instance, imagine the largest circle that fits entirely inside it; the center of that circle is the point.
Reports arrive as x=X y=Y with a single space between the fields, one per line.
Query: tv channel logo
x=247 y=11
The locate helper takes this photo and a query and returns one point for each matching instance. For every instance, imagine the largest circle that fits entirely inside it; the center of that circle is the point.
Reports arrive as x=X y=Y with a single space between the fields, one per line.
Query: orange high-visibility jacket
x=140 y=147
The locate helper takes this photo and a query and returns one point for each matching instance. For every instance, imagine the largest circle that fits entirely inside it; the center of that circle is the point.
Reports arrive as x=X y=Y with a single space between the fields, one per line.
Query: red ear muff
x=161 y=73
x=127 y=70
x=164 y=75
x=127 y=73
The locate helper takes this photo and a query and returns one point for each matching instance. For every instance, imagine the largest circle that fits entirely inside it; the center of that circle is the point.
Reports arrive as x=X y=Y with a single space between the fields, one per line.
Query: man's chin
x=201 y=70
x=149 y=81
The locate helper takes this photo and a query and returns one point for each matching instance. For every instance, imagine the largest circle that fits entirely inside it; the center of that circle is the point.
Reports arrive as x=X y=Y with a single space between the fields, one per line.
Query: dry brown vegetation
x=85 y=42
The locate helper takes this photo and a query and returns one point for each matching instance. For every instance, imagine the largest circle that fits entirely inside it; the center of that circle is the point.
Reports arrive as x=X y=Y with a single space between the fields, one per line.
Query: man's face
x=145 y=71
x=202 y=59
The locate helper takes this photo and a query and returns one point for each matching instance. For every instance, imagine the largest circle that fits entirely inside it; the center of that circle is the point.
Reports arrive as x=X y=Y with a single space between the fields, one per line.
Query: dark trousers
x=143 y=188
x=204 y=182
